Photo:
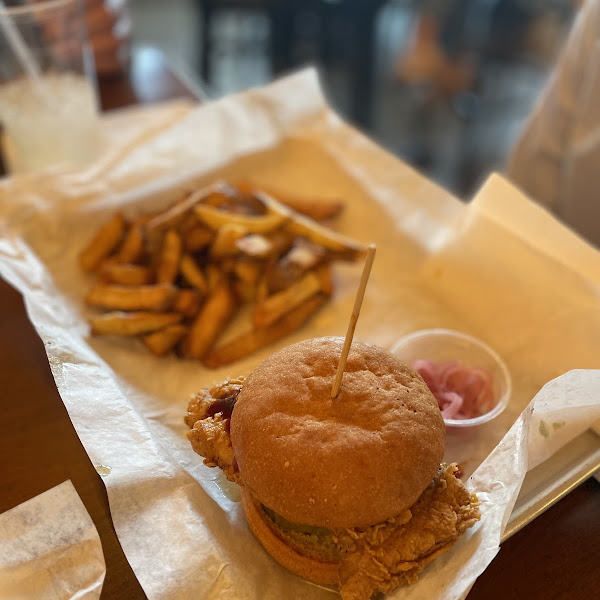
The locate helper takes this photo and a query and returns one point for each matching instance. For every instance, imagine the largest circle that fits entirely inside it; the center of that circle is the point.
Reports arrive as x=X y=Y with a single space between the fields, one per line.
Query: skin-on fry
x=164 y=340
x=187 y=302
x=124 y=274
x=325 y=279
x=214 y=276
x=216 y=218
x=228 y=198
x=244 y=291
x=131 y=323
x=301 y=257
x=178 y=211
x=214 y=315
x=193 y=274
x=156 y=297
x=275 y=306
x=197 y=237
x=167 y=265
x=342 y=246
x=132 y=248
x=225 y=243
x=247 y=272
x=318 y=209
x=296 y=224
x=256 y=339
x=262 y=286
x=103 y=243
x=227 y=265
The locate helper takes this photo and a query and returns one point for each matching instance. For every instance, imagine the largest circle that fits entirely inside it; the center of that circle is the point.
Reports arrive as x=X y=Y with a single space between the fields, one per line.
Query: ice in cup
x=48 y=99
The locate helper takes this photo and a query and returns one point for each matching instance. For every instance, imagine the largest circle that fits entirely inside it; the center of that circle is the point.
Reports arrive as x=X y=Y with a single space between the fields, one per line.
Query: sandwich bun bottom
x=315 y=570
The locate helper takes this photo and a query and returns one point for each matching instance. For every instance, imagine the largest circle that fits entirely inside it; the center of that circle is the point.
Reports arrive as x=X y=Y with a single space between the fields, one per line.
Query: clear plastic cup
x=441 y=345
x=48 y=91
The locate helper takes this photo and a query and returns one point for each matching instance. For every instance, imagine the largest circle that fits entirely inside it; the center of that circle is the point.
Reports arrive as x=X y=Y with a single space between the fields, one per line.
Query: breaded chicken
x=220 y=397
x=388 y=555
x=208 y=417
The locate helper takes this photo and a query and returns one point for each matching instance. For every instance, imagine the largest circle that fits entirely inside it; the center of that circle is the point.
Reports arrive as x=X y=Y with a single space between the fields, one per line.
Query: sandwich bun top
x=351 y=461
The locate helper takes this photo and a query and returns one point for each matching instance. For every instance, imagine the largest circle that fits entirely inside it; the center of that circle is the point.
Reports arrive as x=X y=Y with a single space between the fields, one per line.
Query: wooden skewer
x=335 y=389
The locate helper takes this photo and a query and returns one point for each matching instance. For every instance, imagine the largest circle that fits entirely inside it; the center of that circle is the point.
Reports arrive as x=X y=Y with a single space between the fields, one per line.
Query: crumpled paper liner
x=50 y=549
x=440 y=263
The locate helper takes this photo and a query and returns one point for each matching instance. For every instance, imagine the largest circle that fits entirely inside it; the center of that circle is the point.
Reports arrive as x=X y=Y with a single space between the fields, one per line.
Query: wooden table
x=557 y=556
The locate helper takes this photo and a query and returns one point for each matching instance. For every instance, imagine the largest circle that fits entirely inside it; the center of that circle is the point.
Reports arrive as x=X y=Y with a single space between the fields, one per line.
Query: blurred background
x=445 y=85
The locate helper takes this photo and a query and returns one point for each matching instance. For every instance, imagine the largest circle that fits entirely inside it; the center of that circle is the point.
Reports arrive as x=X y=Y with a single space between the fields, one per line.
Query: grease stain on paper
x=545 y=430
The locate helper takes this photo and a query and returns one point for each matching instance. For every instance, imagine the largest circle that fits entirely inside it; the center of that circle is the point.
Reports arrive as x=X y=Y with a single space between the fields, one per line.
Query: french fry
x=301 y=257
x=132 y=248
x=131 y=323
x=104 y=264
x=318 y=209
x=214 y=315
x=197 y=237
x=156 y=297
x=279 y=278
x=325 y=279
x=167 y=265
x=247 y=272
x=124 y=274
x=345 y=248
x=193 y=274
x=225 y=240
x=177 y=212
x=256 y=339
x=297 y=224
x=245 y=292
x=187 y=302
x=216 y=219
x=190 y=221
x=222 y=195
x=227 y=265
x=228 y=198
x=262 y=286
x=164 y=340
x=214 y=276
x=282 y=241
x=275 y=306
x=103 y=243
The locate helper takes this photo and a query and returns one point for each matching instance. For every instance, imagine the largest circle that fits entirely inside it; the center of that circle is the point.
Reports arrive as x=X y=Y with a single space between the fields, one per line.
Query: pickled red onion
x=462 y=392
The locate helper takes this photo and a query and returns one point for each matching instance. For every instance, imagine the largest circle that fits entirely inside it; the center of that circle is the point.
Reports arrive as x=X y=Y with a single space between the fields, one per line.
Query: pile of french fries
x=177 y=278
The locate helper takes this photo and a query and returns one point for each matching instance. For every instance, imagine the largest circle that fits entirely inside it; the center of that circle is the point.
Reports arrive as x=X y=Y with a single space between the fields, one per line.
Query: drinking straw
x=18 y=45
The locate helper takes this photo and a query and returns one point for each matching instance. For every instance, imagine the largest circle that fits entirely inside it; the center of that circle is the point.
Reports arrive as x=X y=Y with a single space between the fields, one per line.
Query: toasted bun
x=301 y=564
x=351 y=461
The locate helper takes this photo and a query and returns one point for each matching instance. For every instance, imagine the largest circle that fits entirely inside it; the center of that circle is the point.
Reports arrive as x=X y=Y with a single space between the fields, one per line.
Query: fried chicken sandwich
x=346 y=491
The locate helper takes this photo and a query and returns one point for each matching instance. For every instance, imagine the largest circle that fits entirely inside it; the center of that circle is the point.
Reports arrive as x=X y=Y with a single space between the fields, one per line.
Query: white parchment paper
x=498 y=268
x=50 y=549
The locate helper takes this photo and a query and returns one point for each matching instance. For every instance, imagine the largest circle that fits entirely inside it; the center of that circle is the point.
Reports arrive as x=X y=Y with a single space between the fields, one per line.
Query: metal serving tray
x=555 y=478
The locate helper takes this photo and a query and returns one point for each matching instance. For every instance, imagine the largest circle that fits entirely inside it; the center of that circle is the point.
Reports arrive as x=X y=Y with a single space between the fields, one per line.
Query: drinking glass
x=48 y=92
